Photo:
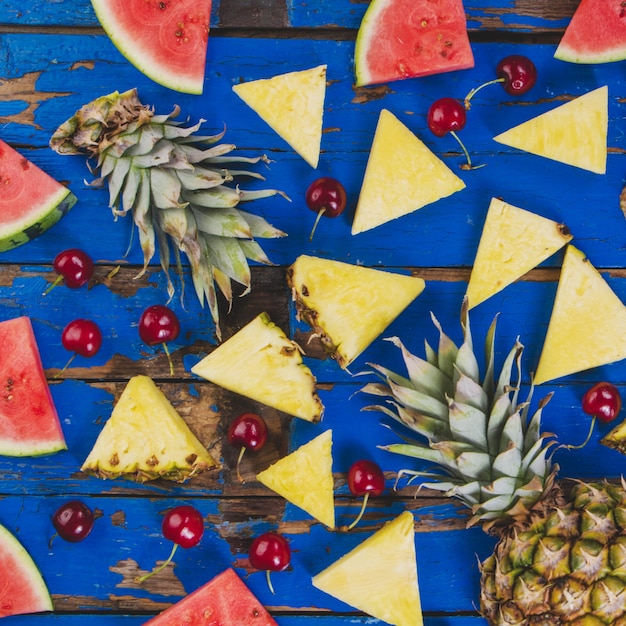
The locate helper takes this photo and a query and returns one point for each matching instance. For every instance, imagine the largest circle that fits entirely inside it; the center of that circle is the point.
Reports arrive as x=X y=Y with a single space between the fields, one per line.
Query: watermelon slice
x=223 y=601
x=410 y=38
x=165 y=39
x=595 y=34
x=22 y=589
x=31 y=201
x=29 y=424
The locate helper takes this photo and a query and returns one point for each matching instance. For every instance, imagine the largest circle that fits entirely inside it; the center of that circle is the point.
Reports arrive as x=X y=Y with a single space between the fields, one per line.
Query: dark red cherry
x=326 y=196
x=270 y=552
x=82 y=337
x=73 y=521
x=158 y=324
x=517 y=73
x=74 y=268
x=603 y=401
x=446 y=115
x=249 y=431
x=365 y=478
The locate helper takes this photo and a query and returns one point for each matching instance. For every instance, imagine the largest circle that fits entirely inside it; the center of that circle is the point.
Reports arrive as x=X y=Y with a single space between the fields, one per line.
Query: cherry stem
x=239 y=476
x=586 y=441
x=140 y=579
x=468 y=165
x=317 y=219
x=360 y=515
x=473 y=92
x=169 y=358
x=52 y=285
x=269 y=581
x=65 y=366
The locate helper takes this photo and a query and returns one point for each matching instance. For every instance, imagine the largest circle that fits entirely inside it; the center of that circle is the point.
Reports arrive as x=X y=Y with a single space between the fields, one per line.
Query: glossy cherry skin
x=73 y=521
x=184 y=526
x=82 y=337
x=602 y=401
x=519 y=74
x=326 y=194
x=270 y=551
x=158 y=324
x=445 y=115
x=248 y=430
x=366 y=477
x=75 y=266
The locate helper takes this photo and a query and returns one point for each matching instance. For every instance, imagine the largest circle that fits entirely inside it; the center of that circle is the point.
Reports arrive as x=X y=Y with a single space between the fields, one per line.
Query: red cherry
x=326 y=196
x=447 y=115
x=517 y=73
x=603 y=401
x=74 y=267
x=82 y=337
x=73 y=521
x=183 y=525
x=159 y=324
x=365 y=478
x=270 y=552
x=249 y=431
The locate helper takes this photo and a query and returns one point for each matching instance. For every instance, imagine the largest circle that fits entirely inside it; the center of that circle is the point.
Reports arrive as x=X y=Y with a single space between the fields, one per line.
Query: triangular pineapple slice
x=379 y=576
x=513 y=241
x=348 y=306
x=401 y=176
x=145 y=438
x=293 y=105
x=305 y=478
x=588 y=323
x=263 y=364
x=573 y=133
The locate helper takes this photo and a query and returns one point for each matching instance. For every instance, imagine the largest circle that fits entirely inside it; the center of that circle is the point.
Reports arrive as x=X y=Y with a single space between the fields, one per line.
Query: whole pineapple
x=176 y=189
x=561 y=557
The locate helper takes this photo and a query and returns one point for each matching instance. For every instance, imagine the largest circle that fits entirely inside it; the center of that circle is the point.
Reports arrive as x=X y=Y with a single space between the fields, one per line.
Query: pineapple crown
x=490 y=451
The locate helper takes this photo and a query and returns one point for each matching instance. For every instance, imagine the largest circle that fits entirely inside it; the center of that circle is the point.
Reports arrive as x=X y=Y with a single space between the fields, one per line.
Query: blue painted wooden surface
x=48 y=73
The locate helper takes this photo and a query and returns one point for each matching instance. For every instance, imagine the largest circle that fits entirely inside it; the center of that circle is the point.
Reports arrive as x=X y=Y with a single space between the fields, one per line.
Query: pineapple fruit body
x=145 y=438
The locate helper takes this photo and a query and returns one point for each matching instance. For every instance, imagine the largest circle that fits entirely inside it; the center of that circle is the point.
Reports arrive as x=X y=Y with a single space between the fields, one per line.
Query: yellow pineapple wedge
x=379 y=576
x=305 y=478
x=347 y=305
x=402 y=175
x=292 y=104
x=616 y=438
x=261 y=363
x=587 y=327
x=573 y=133
x=145 y=438
x=513 y=241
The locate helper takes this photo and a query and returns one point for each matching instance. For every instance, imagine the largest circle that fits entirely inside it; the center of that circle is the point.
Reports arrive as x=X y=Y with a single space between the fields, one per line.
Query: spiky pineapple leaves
x=305 y=478
x=145 y=438
x=379 y=576
x=292 y=104
x=513 y=241
x=402 y=175
x=574 y=133
x=587 y=327
x=261 y=363
x=348 y=306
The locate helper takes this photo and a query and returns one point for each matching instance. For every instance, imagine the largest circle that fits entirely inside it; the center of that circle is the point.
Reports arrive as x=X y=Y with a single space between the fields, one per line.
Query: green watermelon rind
x=137 y=57
x=570 y=55
x=36 y=222
x=28 y=570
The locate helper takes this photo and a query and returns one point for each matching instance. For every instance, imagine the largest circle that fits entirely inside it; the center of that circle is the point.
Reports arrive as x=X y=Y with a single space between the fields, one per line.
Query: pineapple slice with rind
x=292 y=104
x=347 y=305
x=261 y=363
x=513 y=241
x=305 y=478
x=587 y=327
x=573 y=133
x=402 y=175
x=145 y=438
x=379 y=576
x=616 y=438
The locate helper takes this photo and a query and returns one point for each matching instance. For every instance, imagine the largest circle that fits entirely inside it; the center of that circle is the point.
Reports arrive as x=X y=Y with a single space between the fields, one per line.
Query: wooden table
x=53 y=59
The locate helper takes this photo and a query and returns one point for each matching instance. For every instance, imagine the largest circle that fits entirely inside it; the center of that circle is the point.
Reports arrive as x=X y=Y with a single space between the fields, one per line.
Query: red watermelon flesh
x=401 y=39
x=31 y=201
x=29 y=424
x=22 y=589
x=595 y=34
x=165 y=39
x=223 y=601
